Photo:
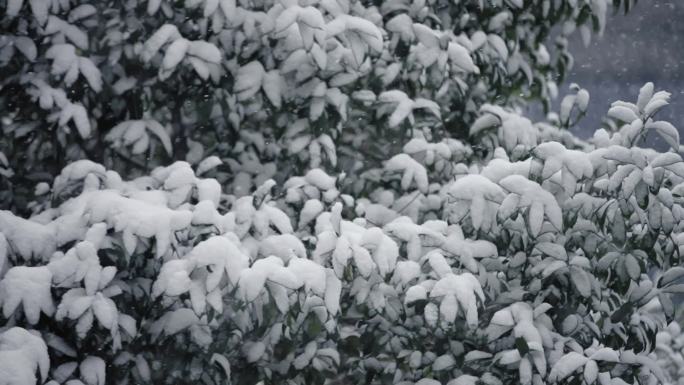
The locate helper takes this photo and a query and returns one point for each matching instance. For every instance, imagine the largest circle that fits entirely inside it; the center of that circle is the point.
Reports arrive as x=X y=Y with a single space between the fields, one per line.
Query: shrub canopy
x=279 y=86
x=359 y=199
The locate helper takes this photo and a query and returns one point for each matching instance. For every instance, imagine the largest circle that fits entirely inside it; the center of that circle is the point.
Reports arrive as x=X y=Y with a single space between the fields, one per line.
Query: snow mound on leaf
x=130 y=215
x=30 y=287
x=30 y=240
x=22 y=354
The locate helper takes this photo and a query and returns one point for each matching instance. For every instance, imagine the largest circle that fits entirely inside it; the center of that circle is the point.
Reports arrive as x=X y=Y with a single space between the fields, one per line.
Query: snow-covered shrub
x=137 y=84
x=670 y=352
x=534 y=258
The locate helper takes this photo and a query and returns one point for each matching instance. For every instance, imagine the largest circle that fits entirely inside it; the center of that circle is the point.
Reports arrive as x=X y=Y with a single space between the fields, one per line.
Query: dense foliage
x=553 y=266
x=355 y=198
x=135 y=84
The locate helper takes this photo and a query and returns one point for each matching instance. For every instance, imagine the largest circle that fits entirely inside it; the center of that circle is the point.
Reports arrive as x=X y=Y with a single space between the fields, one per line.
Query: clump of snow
x=29 y=287
x=28 y=239
x=22 y=354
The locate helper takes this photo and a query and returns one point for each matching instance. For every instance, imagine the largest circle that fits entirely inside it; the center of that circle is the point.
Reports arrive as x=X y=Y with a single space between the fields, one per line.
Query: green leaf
x=521 y=345
x=667 y=131
x=553 y=250
x=673 y=274
x=314 y=326
x=632 y=267
x=674 y=289
x=621 y=313
x=581 y=280
x=223 y=362
x=607 y=260
x=618 y=228
x=668 y=306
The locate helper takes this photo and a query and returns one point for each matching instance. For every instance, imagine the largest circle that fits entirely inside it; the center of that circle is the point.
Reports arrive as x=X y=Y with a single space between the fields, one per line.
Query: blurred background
x=645 y=45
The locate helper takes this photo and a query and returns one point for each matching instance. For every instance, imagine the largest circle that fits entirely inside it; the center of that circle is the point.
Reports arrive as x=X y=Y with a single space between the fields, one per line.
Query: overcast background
x=645 y=45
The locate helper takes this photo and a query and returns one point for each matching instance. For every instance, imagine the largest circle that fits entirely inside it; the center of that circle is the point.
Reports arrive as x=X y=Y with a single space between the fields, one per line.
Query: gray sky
x=645 y=45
